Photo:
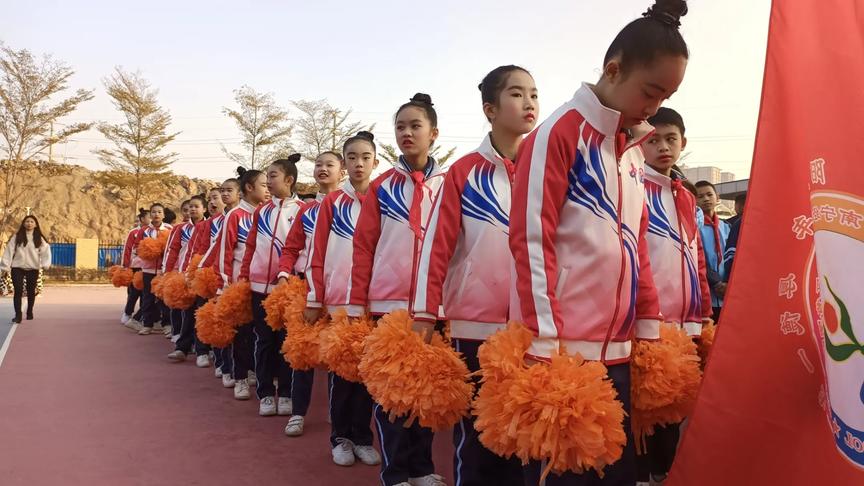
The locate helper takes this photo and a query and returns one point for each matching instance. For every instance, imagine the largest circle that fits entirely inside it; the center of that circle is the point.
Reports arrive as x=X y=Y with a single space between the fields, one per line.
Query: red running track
x=83 y=401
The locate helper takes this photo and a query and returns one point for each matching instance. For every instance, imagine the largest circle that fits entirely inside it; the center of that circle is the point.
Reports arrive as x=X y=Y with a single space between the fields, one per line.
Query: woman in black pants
x=26 y=253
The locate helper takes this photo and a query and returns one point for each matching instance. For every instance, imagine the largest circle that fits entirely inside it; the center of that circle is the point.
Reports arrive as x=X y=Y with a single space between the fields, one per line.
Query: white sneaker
x=252 y=379
x=157 y=326
x=133 y=325
x=124 y=318
x=241 y=390
x=403 y=483
x=285 y=406
x=217 y=371
x=177 y=356
x=202 y=361
x=267 y=407
x=295 y=426
x=343 y=453
x=367 y=455
x=169 y=337
x=228 y=381
x=145 y=331
x=173 y=338
x=428 y=480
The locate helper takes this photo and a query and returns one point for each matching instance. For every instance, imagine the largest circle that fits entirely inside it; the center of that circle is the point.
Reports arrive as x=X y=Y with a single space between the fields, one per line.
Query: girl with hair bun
x=270 y=225
x=231 y=245
x=578 y=223
x=465 y=262
x=391 y=225
x=329 y=278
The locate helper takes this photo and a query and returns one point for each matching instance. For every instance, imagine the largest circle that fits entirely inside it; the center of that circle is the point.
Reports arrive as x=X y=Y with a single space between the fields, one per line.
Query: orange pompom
x=210 y=328
x=122 y=277
x=407 y=376
x=151 y=249
x=112 y=270
x=565 y=412
x=301 y=346
x=342 y=345
x=275 y=303
x=192 y=268
x=175 y=292
x=138 y=280
x=156 y=286
x=706 y=342
x=235 y=304
x=664 y=381
x=206 y=282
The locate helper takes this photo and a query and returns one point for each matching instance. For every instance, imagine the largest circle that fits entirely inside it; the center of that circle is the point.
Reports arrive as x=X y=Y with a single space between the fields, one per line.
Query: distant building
x=715 y=176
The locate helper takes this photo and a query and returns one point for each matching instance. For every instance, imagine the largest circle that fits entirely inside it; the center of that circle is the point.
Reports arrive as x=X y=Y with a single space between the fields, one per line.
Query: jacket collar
x=487 y=150
x=245 y=205
x=606 y=120
x=656 y=177
x=432 y=168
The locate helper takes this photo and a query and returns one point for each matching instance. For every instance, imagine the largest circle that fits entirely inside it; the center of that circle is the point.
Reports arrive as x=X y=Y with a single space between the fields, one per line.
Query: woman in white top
x=26 y=253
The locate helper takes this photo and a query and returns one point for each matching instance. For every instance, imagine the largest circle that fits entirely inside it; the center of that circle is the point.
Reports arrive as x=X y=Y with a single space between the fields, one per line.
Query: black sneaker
x=17 y=319
x=29 y=316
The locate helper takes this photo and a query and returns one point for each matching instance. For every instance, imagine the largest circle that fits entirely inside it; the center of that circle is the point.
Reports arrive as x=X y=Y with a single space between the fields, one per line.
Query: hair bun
x=668 y=12
x=294 y=158
x=422 y=98
x=366 y=135
x=240 y=171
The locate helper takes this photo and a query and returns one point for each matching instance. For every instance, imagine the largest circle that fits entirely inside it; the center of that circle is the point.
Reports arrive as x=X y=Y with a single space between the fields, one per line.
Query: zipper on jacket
x=618 y=156
x=270 y=249
x=683 y=257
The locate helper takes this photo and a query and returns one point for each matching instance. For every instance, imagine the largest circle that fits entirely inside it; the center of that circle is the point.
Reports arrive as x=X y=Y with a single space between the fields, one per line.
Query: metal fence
x=63 y=253
x=110 y=253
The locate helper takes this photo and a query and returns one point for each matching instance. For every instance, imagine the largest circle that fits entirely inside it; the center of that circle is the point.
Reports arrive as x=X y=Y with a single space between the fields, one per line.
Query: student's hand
x=720 y=288
x=312 y=314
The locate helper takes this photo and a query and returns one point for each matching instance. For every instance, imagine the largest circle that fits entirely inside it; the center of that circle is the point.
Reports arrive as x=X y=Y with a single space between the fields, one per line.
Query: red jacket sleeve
x=294 y=243
x=251 y=244
x=201 y=238
x=227 y=243
x=366 y=235
x=439 y=243
x=172 y=251
x=126 y=259
x=318 y=253
x=647 y=302
x=539 y=192
x=707 y=310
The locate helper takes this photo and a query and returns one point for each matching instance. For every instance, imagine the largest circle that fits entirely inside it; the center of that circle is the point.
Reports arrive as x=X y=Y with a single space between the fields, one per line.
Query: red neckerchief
x=511 y=168
x=715 y=223
x=414 y=215
x=684 y=210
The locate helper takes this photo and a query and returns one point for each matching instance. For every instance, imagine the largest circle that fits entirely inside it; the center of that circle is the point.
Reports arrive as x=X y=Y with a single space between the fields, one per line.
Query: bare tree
x=322 y=127
x=391 y=154
x=264 y=126
x=28 y=111
x=138 y=159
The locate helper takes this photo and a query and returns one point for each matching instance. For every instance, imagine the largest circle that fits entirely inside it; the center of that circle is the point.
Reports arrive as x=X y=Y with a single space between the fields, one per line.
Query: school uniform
x=329 y=273
x=129 y=253
x=208 y=247
x=231 y=250
x=678 y=268
x=464 y=275
x=577 y=233
x=294 y=260
x=714 y=232
x=270 y=225
x=152 y=309
x=188 y=338
x=388 y=232
x=170 y=263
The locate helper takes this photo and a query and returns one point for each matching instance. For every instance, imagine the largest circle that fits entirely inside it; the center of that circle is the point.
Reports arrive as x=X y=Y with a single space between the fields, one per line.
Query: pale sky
x=372 y=56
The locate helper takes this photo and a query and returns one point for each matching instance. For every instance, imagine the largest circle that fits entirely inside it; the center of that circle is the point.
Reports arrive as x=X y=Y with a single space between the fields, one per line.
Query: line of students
x=582 y=231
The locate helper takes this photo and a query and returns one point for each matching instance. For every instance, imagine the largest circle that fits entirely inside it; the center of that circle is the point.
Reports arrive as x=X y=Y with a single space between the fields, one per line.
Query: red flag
x=783 y=396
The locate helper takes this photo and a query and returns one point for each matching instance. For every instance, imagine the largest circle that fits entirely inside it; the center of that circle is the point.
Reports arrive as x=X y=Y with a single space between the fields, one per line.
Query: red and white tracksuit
x=270 y=225
x=675 y=248
x=231 y=243
x=577 y=234
x=298 y=244
x=388 y=232
x=150 y=231
x=332 y=251
x=465 y=261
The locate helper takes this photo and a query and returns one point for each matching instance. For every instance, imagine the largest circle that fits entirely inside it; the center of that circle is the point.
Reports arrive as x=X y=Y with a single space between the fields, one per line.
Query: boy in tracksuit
x=677 y=260
x=714 y=232
x=150 y=306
